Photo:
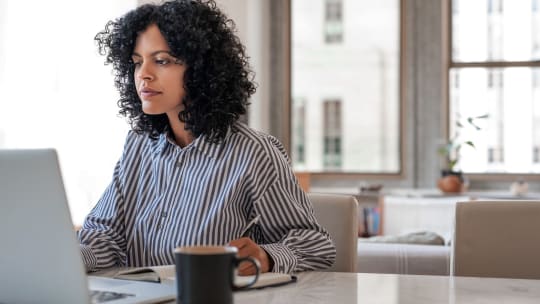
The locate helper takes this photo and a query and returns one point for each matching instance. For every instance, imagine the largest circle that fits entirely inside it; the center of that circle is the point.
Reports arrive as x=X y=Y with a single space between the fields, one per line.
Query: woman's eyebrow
x=153 y=53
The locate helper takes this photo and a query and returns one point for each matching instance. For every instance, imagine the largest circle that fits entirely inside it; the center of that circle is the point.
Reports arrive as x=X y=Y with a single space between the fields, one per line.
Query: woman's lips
x=146 y=93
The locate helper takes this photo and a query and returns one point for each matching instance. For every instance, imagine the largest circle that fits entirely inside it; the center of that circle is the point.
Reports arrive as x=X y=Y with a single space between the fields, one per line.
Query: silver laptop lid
x=40 y=260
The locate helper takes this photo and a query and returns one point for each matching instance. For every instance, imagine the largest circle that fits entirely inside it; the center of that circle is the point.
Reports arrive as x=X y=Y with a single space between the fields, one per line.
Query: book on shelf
x=371 y=221
x=159 y=274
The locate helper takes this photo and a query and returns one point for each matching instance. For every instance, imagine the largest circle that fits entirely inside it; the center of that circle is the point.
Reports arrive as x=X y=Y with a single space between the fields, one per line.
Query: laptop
x=40 y=259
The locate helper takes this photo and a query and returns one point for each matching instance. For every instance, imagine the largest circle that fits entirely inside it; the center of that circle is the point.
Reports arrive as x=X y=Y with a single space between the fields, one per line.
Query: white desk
x=327 y=287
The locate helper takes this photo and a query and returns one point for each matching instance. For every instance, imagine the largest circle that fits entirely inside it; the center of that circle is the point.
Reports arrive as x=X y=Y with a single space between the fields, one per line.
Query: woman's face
x=159 y=77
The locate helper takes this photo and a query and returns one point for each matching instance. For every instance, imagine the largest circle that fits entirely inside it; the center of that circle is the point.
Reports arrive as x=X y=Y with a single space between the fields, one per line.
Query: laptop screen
x=41 y=257
x=41 y=260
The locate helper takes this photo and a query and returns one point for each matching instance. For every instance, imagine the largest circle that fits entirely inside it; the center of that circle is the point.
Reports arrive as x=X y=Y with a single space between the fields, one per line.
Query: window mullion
x=495 y=64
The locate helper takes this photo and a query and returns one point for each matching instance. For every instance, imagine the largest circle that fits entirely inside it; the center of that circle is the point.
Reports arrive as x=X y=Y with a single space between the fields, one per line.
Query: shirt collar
x=200 y=143
x=158 y=145
x=211 y=149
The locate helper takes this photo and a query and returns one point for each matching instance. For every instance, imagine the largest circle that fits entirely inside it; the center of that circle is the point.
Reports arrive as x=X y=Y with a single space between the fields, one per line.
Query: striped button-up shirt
x=163 y=196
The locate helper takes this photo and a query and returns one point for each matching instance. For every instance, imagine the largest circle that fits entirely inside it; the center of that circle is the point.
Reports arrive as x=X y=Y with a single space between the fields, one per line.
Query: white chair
x=403 y=258
x=497 y=239
x=339 y=215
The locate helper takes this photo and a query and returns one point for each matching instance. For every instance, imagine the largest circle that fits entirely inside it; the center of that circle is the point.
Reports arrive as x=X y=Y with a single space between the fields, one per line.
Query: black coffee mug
x=205 y=274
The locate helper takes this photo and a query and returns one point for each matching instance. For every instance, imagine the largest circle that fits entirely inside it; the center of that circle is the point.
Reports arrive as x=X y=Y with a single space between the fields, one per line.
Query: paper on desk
x=265 y=280
x=149 y=274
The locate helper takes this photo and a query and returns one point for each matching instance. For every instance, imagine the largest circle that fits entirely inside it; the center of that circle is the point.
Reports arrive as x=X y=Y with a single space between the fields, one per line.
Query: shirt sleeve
x=102 y=237
x=293 y=238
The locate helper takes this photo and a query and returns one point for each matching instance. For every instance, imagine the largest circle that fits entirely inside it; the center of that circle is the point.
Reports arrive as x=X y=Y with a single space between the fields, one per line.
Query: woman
x=190 y=173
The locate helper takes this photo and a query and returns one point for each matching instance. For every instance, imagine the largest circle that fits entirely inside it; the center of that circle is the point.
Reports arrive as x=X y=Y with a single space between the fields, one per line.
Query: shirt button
x=159 y=226
x=164 y=214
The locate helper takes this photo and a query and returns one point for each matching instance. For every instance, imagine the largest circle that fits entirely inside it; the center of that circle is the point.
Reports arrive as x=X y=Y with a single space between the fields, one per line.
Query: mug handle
x=255 y=262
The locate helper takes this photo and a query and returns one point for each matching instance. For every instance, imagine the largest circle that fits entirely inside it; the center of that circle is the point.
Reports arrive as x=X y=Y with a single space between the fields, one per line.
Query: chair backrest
x=497 y=239
x=339 y=215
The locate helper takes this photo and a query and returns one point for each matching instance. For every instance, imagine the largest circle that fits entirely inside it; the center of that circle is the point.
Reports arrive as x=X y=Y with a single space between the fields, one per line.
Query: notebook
x=40 y=260
x=168 y=273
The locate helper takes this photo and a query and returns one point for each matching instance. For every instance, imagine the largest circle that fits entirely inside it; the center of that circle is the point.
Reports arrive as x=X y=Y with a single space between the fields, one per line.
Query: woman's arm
x=102 y=237
x=296 y=242
x=291 y=235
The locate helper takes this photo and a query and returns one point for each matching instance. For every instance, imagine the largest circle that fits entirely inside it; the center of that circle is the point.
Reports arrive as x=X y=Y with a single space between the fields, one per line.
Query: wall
x=3 y=18
x=426 y=47
x=252 y=22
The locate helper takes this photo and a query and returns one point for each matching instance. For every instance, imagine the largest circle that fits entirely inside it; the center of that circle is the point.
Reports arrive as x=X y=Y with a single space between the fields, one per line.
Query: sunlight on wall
x=56 y=91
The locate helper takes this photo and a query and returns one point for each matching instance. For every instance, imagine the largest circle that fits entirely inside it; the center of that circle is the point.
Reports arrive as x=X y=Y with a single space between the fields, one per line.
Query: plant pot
x=451 y=182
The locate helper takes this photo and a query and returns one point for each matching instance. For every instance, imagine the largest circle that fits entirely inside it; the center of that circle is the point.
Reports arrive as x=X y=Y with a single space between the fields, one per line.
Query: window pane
x=509 y=139
x=495 y=30
x=345 y=85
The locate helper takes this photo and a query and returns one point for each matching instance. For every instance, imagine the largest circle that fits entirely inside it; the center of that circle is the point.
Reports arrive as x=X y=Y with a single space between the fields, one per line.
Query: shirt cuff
x=89 y=259
x=284 y=259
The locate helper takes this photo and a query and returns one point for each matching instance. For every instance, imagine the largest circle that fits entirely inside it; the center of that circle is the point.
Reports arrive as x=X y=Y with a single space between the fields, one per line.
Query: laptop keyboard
x=99 y=296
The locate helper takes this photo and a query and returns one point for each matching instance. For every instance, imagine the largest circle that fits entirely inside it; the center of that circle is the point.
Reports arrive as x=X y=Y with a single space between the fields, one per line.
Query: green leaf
x=470 y=120
x=470 y=143
x=452 y=163
x=482 y=116
x=442 y=151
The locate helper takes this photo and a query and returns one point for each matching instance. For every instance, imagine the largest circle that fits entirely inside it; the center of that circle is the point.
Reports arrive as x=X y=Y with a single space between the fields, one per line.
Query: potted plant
x=451 y=177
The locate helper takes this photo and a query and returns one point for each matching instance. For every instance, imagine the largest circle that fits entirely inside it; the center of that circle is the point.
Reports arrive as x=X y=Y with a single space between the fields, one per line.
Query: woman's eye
x=136 y=63
x=162 y=61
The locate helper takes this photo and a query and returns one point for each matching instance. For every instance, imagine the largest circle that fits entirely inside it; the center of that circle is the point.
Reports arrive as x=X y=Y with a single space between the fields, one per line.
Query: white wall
x=57 y=93
x=252 y=22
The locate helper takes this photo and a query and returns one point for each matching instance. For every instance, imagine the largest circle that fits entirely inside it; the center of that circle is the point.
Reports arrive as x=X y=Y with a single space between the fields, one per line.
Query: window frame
x=490 y=64
x=401 y=173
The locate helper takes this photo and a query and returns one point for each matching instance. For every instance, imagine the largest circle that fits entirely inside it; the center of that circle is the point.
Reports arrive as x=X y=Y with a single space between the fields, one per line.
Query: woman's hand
x=248 y=248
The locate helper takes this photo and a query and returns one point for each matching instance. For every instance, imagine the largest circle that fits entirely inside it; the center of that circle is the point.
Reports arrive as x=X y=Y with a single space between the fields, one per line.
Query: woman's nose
x=144 y=72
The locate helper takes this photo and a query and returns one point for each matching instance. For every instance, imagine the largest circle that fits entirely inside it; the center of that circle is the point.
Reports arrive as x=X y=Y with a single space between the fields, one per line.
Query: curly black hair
x=218 y=80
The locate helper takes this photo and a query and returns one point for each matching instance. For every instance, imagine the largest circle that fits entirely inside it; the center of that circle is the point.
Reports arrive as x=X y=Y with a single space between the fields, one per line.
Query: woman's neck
x=182 y=137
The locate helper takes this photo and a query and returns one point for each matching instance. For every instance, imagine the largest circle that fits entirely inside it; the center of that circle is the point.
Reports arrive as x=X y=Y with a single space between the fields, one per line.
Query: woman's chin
x=152 y=111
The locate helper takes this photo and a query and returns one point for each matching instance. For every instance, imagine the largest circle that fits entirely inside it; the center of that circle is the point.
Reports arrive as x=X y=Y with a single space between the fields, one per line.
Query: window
x=350 y=91
x=495 y=79
x=536 y=78
x=56 y=91
x=332 y=134
x=495 y=56
x=299 y=132
x=536 y=116
x=495 y=155
x=333 y=26
x=495 y=6
x=536 y=154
